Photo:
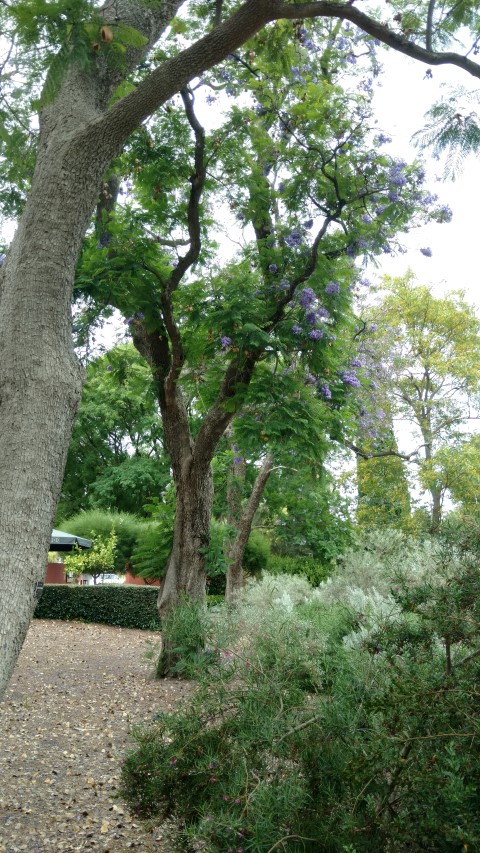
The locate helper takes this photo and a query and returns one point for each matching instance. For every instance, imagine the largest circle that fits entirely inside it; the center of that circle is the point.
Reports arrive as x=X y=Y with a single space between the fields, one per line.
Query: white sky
x=400 y=104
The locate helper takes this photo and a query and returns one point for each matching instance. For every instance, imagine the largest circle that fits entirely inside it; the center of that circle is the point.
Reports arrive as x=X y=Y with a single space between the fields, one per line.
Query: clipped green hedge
x=124 y=606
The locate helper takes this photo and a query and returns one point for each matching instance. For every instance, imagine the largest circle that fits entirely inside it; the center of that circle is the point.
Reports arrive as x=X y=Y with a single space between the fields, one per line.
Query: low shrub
x=308 y=567
x=299 y=741
x=257 y=553
x=124 y=606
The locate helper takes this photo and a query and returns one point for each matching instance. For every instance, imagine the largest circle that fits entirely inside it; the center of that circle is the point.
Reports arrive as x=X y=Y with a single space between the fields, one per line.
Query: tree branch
x=380 y=454
x=375 y=29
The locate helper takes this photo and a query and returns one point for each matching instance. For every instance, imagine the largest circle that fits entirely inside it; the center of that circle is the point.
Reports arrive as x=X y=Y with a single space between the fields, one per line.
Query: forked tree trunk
x=244 y=528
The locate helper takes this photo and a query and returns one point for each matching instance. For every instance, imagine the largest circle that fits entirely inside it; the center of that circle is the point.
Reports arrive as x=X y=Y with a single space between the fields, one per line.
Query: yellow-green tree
x=458 y=468
x=96 y=560
x=426 y=352
x=383 y=489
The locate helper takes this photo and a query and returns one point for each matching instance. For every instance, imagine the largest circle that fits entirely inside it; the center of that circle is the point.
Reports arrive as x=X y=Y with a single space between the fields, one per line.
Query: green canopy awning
x=61 y=541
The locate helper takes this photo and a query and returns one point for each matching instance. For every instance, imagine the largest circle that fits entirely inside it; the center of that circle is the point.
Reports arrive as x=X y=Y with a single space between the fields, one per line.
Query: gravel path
x=64 y=725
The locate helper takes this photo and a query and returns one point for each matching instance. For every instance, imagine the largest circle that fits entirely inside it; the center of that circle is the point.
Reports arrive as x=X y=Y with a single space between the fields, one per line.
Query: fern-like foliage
x=452 y=128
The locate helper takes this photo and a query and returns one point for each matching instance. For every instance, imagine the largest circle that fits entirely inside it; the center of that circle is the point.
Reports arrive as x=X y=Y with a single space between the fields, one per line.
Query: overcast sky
x=401 y=103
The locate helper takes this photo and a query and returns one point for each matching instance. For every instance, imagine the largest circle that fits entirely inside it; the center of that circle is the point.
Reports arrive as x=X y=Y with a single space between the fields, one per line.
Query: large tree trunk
x=186 y=563
x=40 y=380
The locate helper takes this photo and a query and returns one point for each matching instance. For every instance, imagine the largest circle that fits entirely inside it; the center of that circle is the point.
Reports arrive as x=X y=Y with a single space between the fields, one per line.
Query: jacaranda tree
x=294 y=160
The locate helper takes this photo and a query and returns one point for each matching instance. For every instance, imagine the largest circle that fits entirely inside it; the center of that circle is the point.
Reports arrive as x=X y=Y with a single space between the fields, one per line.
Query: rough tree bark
x=40 y=381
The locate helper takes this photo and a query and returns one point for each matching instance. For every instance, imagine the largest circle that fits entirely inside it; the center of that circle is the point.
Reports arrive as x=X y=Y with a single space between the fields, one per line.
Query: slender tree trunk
x=244 y=528
x=436 y=492
x=436 y=495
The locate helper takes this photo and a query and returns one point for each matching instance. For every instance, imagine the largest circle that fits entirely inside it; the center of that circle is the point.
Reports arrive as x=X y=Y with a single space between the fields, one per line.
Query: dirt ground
x=64 y=726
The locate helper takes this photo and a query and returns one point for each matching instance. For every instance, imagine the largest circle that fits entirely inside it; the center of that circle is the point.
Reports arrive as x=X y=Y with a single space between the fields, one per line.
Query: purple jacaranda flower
x=315 y=334
x=323 y=313
x=366 y=218
x=272 y=268
x=332 y=288
x=308 y=224
x=311 y=318
x=307 y=297
x=373 y=327
x=225 y=341
x=383 y=139
x=429 y=198
x=356 y=362
x=349 y=378
x=237 y=460
x=293 y=239
x=109 y=368
x=310 y=379
x=297 y=330
x=426 y=251
x=325 y=391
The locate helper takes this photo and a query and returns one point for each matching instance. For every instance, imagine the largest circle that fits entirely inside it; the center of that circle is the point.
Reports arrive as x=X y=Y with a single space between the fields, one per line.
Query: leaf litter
x=64 y=727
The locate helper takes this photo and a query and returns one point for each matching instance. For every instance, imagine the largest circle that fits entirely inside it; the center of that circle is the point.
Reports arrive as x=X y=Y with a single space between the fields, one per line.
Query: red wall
x=129 y=578
x=55 y=573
